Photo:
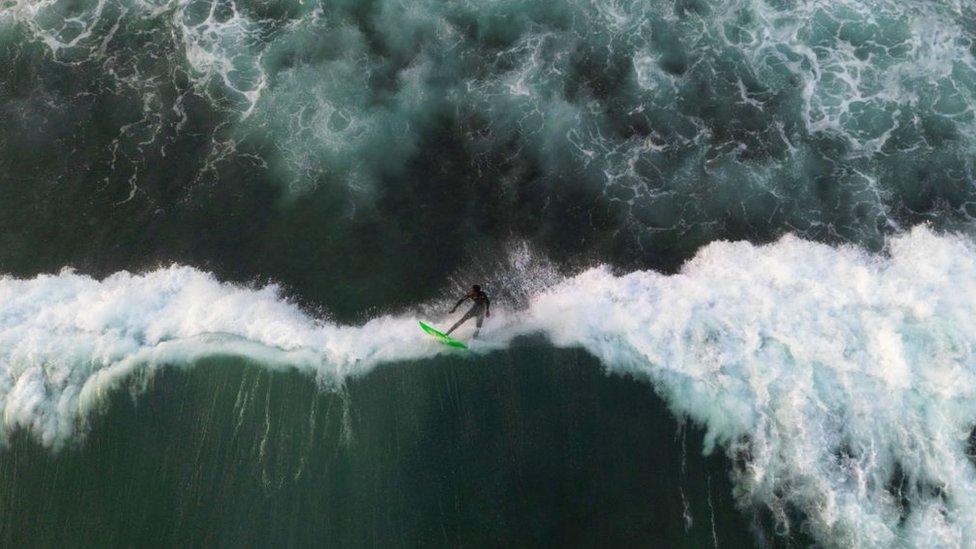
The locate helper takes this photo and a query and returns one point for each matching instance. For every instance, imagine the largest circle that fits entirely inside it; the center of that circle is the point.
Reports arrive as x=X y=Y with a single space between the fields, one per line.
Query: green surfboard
x=446 y=340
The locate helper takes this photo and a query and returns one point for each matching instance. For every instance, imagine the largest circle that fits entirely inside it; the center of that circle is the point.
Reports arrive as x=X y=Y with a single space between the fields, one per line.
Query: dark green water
x=371 y=158
x=530 y=447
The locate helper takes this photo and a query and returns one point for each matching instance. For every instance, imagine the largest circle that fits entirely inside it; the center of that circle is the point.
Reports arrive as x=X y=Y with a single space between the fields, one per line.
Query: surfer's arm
x=487 y=307
x=460 y=301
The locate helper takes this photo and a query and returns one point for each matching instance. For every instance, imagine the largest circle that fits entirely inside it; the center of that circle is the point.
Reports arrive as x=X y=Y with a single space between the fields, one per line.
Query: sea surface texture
x=730 y=247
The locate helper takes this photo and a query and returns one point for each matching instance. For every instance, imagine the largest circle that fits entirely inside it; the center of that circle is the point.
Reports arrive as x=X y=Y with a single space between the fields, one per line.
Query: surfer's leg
x=480 y=319
x=456 y=324
x=466 y=316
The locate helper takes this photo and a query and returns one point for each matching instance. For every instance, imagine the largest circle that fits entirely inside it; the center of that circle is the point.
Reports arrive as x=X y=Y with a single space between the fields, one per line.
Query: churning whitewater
x=842 y=383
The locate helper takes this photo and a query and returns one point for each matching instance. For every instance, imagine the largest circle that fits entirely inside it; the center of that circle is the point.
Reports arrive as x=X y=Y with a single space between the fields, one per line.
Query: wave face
x=494 y=450
x=840 y=383
x=667 y=124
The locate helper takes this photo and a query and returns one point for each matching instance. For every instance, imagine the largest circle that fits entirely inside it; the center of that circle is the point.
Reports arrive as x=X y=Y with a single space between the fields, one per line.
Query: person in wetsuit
x=478 y=311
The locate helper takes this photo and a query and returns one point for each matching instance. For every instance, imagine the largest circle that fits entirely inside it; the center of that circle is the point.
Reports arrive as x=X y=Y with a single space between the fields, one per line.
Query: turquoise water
x=729 y=247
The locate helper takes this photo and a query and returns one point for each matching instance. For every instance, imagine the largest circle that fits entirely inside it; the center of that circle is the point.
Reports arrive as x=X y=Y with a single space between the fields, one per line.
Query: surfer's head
x=475 y=288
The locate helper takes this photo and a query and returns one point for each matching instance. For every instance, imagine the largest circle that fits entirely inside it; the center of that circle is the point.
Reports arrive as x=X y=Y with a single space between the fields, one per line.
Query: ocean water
x=730 y=249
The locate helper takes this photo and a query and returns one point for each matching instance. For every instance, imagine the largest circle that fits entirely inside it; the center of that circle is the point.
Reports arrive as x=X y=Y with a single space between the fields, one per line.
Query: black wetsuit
x=477 y=311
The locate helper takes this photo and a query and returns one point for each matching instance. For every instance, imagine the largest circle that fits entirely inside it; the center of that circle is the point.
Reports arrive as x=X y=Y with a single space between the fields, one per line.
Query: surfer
x=478 y=311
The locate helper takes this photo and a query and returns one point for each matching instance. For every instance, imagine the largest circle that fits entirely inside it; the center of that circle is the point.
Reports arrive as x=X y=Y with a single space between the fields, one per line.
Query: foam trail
x=841 y=383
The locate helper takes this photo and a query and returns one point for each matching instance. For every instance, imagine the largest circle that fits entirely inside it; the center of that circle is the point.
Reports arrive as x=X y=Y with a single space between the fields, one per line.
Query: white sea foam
x=842 y=382
x=65 y=339
x=834 y=373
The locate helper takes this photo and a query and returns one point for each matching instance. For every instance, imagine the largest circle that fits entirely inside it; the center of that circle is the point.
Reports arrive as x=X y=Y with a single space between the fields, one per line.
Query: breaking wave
x=841 y=383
